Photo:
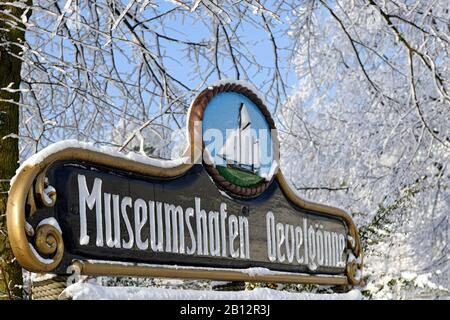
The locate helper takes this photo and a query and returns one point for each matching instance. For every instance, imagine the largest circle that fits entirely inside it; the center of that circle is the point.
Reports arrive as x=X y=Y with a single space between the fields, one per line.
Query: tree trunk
x=11 y=33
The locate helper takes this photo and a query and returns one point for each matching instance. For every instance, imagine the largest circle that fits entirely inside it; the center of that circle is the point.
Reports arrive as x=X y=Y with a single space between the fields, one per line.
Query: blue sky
x=187 y=27
x=184 y=26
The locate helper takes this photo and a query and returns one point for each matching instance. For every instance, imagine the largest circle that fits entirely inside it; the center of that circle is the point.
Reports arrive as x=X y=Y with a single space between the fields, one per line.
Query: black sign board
x=225 y=209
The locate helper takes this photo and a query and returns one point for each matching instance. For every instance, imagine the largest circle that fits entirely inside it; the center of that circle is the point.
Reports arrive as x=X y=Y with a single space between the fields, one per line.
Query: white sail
x=230 y=150
x=244 y=118
x=246 y=146
x=240 y=148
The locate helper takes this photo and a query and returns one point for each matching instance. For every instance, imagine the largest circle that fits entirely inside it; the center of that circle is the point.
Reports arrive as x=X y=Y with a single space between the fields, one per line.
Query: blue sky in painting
x=222 y=114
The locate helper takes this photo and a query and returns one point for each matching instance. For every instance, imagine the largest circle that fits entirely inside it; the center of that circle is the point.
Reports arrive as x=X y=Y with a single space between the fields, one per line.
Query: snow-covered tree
x=368 y=129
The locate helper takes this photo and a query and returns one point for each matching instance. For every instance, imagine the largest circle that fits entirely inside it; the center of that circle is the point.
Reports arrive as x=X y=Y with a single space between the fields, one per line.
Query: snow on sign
x=223 y=211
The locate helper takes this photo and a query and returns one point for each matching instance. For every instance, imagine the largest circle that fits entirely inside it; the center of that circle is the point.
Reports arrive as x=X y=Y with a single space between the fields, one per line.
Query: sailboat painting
x=241 y=150
x=243 y=154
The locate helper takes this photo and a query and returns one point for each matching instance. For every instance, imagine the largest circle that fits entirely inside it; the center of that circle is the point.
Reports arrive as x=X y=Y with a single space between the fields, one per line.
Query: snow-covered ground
x=93 y=291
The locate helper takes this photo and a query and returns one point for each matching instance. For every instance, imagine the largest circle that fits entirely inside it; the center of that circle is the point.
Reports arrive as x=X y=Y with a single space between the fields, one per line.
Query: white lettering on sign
x=161 y=227
x=90 y=199
x=309 y=244
x=166 y=227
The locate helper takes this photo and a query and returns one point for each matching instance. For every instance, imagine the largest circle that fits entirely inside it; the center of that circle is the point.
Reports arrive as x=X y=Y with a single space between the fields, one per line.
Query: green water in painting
x=239 y=178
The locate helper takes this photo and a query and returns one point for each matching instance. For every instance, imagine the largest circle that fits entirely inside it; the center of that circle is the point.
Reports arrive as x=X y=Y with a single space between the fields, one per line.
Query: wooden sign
x=223 y=211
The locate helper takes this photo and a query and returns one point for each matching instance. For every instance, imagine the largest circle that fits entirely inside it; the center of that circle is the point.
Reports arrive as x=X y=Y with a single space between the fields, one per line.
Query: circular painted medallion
x=240 y=147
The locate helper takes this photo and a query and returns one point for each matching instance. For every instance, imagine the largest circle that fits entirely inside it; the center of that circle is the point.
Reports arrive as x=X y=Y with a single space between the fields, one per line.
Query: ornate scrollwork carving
x=45 y=192
x=48 y=236
x=38 y=249
x=49 y=242
x=354 y=260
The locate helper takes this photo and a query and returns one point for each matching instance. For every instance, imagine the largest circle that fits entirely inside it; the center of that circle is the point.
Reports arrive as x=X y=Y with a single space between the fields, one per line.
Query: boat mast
x=253 y=152
x=240 y=127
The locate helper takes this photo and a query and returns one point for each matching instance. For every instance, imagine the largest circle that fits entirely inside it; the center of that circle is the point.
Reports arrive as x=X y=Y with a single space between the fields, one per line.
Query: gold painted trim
x=24 y=190
x=354 y=269
x=100 y=269
x=46 y=249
